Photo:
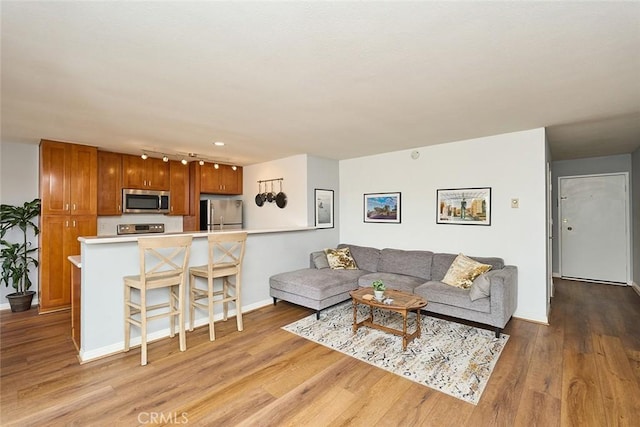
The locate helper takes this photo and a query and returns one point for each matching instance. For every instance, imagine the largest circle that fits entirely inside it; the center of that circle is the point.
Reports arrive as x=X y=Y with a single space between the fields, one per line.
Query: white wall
x=513 y=165
x=324 y=174
x=294 y=171
x=18 y=184
x=635 y=215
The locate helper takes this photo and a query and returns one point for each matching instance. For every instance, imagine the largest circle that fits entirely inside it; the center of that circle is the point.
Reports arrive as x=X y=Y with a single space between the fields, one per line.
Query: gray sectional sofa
x=418 y=272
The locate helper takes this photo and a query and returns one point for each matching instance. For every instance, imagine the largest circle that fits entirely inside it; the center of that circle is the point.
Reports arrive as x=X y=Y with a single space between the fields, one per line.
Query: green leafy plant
x=378 y=285
x=17 y=257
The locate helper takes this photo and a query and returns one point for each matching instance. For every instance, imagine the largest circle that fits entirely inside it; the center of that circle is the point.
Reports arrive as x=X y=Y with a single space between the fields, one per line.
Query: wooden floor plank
x=582 y=403
x=583 y=369
x=620 y=391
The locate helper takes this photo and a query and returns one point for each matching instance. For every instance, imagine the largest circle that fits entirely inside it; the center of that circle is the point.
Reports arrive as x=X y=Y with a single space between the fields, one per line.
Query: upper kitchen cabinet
x=109 y=183
x=223 y=180
x=145 y=174
x=68 y=178
x=179 y=188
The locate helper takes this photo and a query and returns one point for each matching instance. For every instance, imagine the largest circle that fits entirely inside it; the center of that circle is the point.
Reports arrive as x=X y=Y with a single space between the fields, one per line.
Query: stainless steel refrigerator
x=220 y=215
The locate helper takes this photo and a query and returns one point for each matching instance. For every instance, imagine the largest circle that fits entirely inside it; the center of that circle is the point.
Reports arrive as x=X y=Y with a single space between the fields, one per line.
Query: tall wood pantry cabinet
x=68 y=190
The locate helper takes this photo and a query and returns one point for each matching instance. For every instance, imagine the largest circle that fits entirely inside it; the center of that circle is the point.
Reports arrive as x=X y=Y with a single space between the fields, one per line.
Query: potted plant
x=17 y=257
x=378 y=289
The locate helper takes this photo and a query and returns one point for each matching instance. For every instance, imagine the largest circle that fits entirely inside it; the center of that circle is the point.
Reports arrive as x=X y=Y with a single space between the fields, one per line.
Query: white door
x=593 y=227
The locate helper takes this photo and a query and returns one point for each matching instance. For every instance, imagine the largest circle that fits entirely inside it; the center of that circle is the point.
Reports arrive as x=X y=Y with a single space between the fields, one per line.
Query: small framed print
x=324 y=208
x=382 y=207
x=466 y=206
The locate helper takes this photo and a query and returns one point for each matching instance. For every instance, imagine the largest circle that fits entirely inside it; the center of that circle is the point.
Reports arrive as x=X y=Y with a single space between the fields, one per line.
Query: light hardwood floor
x=582 y=370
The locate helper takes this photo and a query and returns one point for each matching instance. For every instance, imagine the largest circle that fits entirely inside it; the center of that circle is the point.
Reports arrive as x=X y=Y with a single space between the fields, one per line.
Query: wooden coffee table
x=403 y=303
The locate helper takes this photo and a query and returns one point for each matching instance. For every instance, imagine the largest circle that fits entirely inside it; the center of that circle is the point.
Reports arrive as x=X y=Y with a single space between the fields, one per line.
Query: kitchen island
x=106 y=260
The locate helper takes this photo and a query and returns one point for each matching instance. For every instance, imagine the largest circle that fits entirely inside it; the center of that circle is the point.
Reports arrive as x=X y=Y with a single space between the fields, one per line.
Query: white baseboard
x=555 y=275
x=635 y=287
x=99 y=353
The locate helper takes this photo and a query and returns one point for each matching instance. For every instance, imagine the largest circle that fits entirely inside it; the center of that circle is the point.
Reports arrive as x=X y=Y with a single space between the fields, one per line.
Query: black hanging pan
x=281 y=198
x=271 y=196
x=259 y=200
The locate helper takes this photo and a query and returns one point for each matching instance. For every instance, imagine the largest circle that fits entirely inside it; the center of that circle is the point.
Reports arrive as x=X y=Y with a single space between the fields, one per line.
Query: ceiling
x=331 y=79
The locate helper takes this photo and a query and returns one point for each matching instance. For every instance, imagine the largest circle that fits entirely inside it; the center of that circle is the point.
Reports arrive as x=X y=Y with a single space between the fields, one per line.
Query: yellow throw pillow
x=463 y=271
x=340 y=259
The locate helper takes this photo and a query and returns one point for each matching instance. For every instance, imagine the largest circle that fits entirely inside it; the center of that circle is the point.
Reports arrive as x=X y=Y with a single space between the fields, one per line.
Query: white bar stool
x=163 y=264
x=226 y=252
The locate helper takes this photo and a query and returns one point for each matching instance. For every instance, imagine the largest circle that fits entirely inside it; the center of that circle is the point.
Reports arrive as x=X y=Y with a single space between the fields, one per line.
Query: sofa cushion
x=316 y=284
x=410 y=263
x=450 y=295
x=442 y=262
x=366 y=257
x=400 y=282
x=463 y=271
x=340 y=259
x=319 y=260
x=481 y=287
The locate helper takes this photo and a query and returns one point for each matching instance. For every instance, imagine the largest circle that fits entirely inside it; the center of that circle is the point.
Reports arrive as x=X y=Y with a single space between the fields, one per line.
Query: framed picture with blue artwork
x=382 y=207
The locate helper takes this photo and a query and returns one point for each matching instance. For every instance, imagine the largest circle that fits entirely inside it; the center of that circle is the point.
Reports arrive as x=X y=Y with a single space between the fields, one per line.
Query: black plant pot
x=20 y=302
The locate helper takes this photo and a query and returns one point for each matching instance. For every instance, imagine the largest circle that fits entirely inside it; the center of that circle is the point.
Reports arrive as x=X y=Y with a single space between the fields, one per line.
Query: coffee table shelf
x=403 y=303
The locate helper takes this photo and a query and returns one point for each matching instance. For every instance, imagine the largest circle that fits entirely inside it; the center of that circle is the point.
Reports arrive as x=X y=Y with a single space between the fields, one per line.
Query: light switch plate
x=515 y=203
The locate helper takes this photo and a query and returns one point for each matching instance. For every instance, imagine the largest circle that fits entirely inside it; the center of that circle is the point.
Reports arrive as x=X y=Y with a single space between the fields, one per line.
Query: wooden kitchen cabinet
x=68 y=179
x=58 y=240
x=223 y=180
x=145 y=174
x=109 y=183
x=69 y=194
x=179 y=179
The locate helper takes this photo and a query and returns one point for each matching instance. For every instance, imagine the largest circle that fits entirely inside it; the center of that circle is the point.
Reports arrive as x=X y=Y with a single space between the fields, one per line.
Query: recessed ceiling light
x=218 y=143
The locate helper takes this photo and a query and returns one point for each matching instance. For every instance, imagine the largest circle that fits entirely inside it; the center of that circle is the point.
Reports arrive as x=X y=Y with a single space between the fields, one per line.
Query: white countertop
x=75 y=260
x=98 y=240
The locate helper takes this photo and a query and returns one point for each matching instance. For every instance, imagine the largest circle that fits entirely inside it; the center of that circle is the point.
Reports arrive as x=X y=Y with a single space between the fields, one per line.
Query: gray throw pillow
x=320 y=260
x=480 y=288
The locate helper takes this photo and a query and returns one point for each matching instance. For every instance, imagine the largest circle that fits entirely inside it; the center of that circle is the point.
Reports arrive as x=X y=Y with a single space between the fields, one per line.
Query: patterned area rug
x=449 y=357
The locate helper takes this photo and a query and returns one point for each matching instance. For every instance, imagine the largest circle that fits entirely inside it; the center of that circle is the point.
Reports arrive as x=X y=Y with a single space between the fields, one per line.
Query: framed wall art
x=467 y=206
x=382 y=207
x=324 y=208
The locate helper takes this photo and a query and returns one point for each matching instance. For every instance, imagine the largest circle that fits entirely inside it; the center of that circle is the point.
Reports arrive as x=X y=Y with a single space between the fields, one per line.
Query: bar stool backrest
x=226 y=252
x=163 y=259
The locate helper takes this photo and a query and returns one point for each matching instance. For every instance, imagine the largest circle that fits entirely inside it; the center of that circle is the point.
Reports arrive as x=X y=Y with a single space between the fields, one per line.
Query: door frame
x=627 y=224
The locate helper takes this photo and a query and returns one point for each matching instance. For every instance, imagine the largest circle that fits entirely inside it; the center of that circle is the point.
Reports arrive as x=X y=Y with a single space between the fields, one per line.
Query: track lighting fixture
x=185 y=158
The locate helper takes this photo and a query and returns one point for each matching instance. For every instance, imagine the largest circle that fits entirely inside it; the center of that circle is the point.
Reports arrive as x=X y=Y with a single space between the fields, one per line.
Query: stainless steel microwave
x=145 y=201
